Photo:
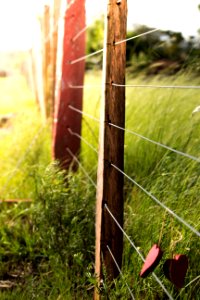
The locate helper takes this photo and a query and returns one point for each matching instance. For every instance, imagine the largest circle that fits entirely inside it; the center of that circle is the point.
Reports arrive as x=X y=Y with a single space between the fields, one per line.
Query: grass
x=47 y=247
x=18 y=139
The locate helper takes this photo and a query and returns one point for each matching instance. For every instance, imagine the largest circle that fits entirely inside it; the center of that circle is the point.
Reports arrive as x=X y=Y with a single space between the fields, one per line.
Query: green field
x=47 y=247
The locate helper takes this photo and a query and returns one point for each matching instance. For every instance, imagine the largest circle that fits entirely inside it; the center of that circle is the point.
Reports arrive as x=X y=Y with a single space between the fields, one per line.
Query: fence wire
x=82 y=168
x=152 y=86
x=83 y=113
x=138 y=135
x=82 y=139
x=157 y=143
x=141 y=187
x=159 y=202
x=116 y=43
x=120 y=272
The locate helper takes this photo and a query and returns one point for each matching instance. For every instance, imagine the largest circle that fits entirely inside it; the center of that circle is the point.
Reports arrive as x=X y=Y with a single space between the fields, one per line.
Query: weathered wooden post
x=37 y=60
x=70 y=74
x=34 y=76
x=110 y=181
x=46 y=58
x=56 y=16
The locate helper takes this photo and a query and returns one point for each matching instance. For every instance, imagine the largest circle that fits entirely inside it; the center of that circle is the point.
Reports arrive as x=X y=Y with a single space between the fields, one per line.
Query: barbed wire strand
x=125 y=234
x=191 y=282
x=90 y=129
x=140 y=136
x=159 y=202
x=94 y=18
x=157 y=86
x=80 y=33
x=82 y=139
x=82 y=168
x=111 y=254
x=22 y=158
x=85 y=57
x=137 y=36
x=83 y=113
x=157 y=143
x=116 y=43
x=136 y=249
x=88 y=86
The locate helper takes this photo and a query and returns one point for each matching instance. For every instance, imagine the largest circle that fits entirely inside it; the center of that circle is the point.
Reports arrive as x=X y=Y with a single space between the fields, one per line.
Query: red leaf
x=175 y=269
x=152 y=260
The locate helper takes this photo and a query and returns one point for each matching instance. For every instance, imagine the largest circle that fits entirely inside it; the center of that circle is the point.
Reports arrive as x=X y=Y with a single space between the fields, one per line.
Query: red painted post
x=71 y=74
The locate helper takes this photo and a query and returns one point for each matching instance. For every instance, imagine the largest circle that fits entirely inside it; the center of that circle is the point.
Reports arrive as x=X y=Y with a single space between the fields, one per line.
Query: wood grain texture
x=110 y=181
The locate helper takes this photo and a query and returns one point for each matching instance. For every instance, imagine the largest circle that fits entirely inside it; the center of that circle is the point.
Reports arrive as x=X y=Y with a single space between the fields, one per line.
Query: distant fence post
x=110 y=181
x=46 y=58
x=37 y=60
x=70 y=74
x=34 y=76
x=56 y=16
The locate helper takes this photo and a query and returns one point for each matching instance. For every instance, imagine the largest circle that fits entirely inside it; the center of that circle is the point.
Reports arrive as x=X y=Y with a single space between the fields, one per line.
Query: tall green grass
x=51 y=241
x=164 y=116
x=44 y=253
x=24 y=140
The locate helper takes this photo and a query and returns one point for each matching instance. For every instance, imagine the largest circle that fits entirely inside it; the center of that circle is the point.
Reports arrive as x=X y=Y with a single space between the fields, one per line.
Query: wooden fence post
x=34 y=76
x=56 y=16
x=37 y=59
x=110 y=181
x=71 y=74
x=46 y=58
